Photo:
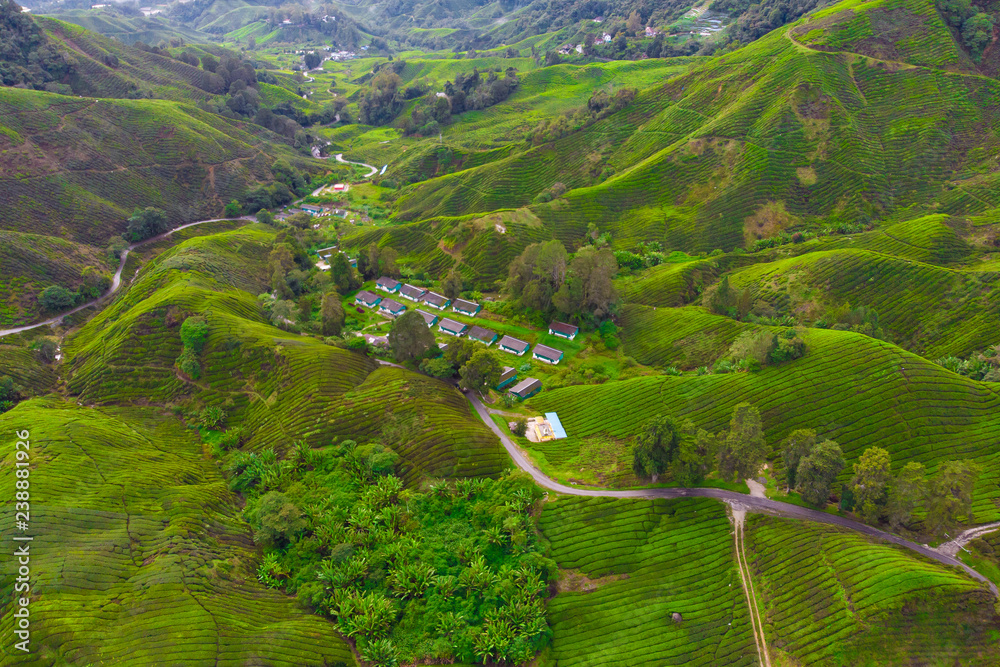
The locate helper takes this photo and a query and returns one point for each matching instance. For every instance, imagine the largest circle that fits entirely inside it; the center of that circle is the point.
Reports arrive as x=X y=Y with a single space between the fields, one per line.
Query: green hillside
x=626 y=566
x=281 y=386
x=856 y=390
x=833 y=598
x=701 y=158
x=139 y=553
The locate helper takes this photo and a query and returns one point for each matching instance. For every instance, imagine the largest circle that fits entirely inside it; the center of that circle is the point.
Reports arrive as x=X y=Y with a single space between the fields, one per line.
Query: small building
x=526 y=388
x=340 y=187
x=367 y=299
x=452 y=328
x=509 y=375
x=547 y=354
x=469 y=308
x=387 y=284
x=377 y=341
x=311 y=209
x=563 y=330
x=513 y=345
x=392 y=308
x=429 y=318
x=435 y=300
x=484 y=336
x=412 y=293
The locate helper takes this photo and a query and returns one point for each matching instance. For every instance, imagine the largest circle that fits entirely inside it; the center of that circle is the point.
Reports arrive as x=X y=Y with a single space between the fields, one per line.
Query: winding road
x=738 y=501
x=116 y=281
x=340 y=158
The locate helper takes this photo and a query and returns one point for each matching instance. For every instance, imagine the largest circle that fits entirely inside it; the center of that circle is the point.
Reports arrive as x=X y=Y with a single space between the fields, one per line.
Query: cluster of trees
x=974 y=25
x=10 y=393
x=875 y=494
x=194 y=333
x=810 y=466
x=689 y=454
x=375 y=262
x=340 y=531
x=145 y=223
x=56 y=298
x=466 y=93
x=862 y=319
x=757 y=18
x=759 y=347
x=288 y=183
x=27 y=59
x=984 y=366
x=383 y=99
x=600 y=105
x=544 y=278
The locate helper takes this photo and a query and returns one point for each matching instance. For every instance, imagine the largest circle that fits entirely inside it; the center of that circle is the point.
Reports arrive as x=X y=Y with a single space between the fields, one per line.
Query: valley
x=388 y=334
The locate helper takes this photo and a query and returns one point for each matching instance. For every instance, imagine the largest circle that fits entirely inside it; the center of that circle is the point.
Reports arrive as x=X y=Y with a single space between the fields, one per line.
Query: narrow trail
x=746 y=577
x=733 y=498
x=116 y=280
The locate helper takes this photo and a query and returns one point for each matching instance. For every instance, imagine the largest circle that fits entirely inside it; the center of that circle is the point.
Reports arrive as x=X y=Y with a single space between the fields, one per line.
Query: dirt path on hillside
x=746 y=577
x=746 y=502
x=951 y=548
x=116 y=280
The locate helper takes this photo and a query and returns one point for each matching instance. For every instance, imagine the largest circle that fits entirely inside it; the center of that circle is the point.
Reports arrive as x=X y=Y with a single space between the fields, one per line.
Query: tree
x=950 y=494
x=265 y=217
x=55 y=298
x=481 y=372
x=410 y=337
x=146 y=223
x=694 y=458
x=634 y=22
x=744 y=449
x=194 y=333
x=452 y=284
x=459 y=351
x=312 y=60
x=299 y=220
x=797 y=445
x=332 y=313
x=382 y=101
x=818 y=470
x=537 y=273
x=284 y=314
x=343 y=274
x=656 y=445
x=588 y=288
x=233 y=209
x=870 y=483
x=209 y=63
x=908 y=489
x=977 y=33
x=275 y=519
x=439 y=367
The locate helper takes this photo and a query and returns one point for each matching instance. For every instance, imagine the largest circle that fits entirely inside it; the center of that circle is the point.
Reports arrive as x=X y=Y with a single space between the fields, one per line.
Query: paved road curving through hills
x=740 y=501
x=116 y=281
x=340 y=158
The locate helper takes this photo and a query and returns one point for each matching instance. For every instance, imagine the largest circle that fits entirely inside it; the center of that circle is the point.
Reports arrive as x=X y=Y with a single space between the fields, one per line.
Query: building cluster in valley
x=391 y=306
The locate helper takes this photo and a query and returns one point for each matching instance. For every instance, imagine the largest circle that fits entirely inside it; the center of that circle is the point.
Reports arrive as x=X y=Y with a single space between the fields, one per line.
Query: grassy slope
x=856 y=390
x=139 y=554
x=282 y=386
x=830 y=597
x=660 y=557
x=77 y=167
x=32 y=262
x=830 y=135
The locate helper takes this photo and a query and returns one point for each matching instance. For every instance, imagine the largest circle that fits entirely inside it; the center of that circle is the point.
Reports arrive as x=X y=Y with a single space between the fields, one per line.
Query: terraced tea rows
x=856 y=390
x=641 y=562
x=139 y=554
x=930 y=310
x=830 y=597
x=683 y=337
